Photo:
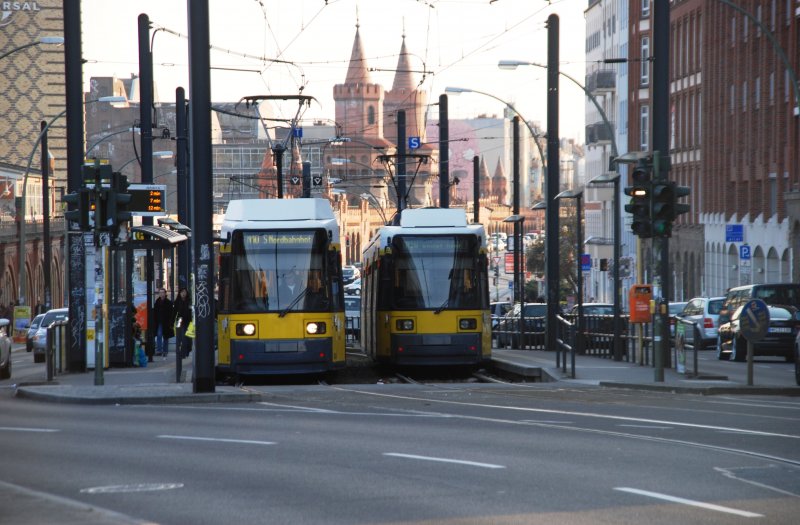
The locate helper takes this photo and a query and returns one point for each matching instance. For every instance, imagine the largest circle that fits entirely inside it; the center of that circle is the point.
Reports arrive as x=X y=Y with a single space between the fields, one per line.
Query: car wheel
x=722 y=356
x=790 y=357
x=797 y=368
x=38 y=358
x=739 y=349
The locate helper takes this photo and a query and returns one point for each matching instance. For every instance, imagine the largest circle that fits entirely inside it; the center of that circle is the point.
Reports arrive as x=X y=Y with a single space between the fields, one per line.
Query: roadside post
x=753 y=322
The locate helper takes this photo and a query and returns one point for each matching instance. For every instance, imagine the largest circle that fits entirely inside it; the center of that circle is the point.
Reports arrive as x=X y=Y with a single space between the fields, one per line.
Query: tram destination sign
x=148 y=199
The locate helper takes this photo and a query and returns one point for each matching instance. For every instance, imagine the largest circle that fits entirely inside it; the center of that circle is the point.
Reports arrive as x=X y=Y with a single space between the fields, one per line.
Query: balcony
x=601 y=81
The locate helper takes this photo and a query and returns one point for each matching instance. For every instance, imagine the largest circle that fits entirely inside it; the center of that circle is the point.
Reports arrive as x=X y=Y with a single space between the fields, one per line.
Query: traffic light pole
x=660 y=288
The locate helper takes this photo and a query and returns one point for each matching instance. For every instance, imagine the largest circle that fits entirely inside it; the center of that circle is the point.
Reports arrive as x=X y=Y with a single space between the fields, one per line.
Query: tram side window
x=224 y=284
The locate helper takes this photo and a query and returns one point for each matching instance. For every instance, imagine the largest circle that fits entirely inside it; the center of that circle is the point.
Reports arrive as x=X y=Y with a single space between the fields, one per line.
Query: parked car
x=40 y=337
x=352 y=312
x=5 y=349
x=498 y=310
x=704 y=312
x=353 y=288
x=780 y=339
x=777 y=293
x=534 y=319
x=797 y=359
x=350 y=274
x=32 y=331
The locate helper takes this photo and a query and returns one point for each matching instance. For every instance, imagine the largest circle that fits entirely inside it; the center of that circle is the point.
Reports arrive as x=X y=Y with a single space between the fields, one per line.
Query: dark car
x=775 y=293
x=534 y=318
x=598 y=324
x=797 y=358
x=5 y=349
x=779 y=340
x=350 y=274
x=32 y=329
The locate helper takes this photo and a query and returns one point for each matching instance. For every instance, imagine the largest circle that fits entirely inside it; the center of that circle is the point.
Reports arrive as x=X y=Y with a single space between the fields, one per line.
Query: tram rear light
x=405 y=324
x=315 y=328
x=468 y=324
x=245 y=329
x=473 y=348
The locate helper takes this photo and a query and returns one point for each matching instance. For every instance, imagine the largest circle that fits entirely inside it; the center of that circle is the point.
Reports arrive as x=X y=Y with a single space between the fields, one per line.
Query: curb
x=134 y=395
x=707 y=390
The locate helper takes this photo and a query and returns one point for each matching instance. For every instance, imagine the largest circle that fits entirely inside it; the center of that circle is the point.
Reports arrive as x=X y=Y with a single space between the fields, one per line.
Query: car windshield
x=535 y=310
x=53 y=316
x=352 y=303
x=36 y=322
x=779 y=313
x=598 y=310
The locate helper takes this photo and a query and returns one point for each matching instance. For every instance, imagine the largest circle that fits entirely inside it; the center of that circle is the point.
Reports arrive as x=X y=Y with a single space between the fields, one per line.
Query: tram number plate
x=281 y=347
x=436 y=339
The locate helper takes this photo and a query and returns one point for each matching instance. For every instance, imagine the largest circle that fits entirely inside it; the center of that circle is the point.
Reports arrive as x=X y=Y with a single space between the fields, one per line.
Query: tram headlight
x=405 y=324
x=246 y=329
x=468 y=324
x=315 y=328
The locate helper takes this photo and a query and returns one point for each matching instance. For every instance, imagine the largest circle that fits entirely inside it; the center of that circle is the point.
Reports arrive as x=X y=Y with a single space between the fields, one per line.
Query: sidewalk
x=156 y=384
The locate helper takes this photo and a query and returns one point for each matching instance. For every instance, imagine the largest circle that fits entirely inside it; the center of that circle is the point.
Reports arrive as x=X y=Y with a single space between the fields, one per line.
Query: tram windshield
x=279 y=271
x=437 y=272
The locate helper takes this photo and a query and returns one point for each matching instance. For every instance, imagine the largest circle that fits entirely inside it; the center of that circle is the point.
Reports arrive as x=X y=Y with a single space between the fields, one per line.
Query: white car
x=5 y=349
x=353 y=288
x=40 y=337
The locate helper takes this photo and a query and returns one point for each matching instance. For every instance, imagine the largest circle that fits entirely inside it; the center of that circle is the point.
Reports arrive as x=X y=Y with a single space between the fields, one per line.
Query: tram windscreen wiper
x=442 y=307
x=294 y=302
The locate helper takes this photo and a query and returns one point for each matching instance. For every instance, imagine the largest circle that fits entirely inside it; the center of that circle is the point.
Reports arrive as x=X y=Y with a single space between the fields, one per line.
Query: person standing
x=163 y=317
x=183 y=316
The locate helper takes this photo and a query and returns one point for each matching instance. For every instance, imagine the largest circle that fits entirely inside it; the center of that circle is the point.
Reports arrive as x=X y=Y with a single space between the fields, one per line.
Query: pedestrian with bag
x=183 y=316
x=163 y=319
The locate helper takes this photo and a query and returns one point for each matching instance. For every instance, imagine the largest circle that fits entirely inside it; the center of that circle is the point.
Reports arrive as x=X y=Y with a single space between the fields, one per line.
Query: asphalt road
x=454 y=453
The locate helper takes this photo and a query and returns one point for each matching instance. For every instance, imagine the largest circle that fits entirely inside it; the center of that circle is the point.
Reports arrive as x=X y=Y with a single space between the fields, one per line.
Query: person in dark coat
x=163 y=317
x=183 y=316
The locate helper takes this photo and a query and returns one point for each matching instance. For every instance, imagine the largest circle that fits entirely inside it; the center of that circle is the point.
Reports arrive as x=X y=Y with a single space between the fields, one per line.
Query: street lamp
x=23 y=197
x=534 y=135
x=579 y=340
x=41 y=40
x=614 y=177
x=519 y=289
x=514 y=64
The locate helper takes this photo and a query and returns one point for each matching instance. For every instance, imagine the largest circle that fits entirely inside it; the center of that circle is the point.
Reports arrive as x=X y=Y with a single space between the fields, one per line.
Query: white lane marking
x=295 y=407
x=646 y=426
x=218 y=440
x=135 y=487
x=443 y=460
x=24 y=429
x=690 y=502
x=570 y=413
x=728 y=473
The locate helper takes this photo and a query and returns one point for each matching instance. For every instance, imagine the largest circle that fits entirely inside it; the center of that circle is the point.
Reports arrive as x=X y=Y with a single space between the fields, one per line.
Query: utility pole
x=476 y=190
x=76 y=249
x=661 y=175
x=401 y=162
x=183 y=182
x=277 y=151
x=444 y=153
x=48 y=295
x=551 y=190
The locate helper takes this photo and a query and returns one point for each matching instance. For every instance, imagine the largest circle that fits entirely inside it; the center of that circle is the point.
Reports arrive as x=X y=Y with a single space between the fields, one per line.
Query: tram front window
x=279 y=271
x=437 y=272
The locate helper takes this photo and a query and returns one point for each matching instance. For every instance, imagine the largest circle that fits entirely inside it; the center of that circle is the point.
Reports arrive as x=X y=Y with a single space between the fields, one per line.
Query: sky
x=452 y=42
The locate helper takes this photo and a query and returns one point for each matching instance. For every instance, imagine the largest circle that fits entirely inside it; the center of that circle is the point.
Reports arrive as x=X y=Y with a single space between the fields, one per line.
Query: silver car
x=40 y=337
x=5 y=349
x=704 y=313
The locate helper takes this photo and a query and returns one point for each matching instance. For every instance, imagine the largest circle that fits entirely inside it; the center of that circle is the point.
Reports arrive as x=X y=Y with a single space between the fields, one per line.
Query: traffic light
x=663 y=198
x=640 y=193
x=679 y=207
x=118 y=199
x=80 y=201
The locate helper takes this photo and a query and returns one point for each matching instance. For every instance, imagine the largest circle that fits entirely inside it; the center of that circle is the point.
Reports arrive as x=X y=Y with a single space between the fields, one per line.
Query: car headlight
x=315 y=328
x=468 y=324
x=246 y=329
x=405 y=324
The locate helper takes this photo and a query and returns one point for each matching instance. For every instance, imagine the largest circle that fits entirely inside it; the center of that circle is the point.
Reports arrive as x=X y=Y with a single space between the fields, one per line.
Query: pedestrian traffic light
x=663 y=211
x=80 y=201
x=640 y=193
x=117 y=202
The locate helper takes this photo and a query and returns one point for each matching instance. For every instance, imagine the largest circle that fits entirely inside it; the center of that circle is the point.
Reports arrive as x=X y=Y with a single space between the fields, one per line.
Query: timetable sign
x=148 y=199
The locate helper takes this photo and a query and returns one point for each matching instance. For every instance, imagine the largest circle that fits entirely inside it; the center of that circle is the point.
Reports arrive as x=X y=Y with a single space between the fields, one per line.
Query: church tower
x=359 y=102
x=404 y=95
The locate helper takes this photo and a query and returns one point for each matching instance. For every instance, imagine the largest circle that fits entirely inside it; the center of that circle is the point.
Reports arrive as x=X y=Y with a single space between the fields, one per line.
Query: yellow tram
x=281 y=305
x=425 y=291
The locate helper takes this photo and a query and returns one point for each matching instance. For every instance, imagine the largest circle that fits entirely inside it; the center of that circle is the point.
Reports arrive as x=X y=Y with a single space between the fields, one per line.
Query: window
x=645 y=8
x=772 y=88
x=744 y=95
x=645 y=60
x=644 y=128
x=371 y=115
